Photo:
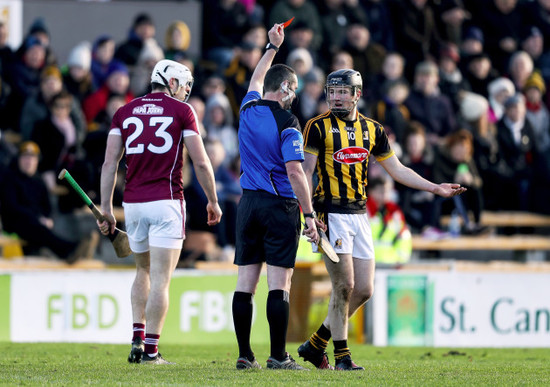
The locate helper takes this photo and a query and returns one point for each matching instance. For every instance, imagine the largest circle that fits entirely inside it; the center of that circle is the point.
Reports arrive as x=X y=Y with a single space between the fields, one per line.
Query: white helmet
x=167 y=69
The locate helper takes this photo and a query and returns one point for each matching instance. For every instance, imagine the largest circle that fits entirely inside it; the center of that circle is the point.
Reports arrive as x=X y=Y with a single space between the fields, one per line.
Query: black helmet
x=343 y=78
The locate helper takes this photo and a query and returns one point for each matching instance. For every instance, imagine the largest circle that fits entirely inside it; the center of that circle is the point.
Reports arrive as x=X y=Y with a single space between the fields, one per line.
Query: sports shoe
x=243 y=363
x=346 y=364
x=137 y=350
x=158 y=359
x=287 y=364
x=316 y=357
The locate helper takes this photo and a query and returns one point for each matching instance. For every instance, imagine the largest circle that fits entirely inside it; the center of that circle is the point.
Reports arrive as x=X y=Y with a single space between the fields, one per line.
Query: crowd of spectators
x=459 y=85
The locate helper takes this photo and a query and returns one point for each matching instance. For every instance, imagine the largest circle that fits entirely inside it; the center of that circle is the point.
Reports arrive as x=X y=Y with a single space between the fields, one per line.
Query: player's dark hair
x=158 y=86
x=276 y=75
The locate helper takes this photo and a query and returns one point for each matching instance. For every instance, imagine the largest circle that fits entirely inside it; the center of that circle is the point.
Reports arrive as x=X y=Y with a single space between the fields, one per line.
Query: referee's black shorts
x=268 y=229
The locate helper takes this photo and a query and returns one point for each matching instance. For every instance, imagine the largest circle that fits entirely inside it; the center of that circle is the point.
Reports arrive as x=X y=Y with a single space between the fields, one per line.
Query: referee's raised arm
x=276 y=37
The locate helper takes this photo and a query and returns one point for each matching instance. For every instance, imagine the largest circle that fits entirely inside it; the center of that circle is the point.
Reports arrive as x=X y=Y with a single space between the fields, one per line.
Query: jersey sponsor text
x=351 y=155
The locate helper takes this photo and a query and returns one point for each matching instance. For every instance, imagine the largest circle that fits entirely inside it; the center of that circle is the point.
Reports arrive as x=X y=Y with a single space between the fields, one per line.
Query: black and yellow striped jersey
x=343 y=149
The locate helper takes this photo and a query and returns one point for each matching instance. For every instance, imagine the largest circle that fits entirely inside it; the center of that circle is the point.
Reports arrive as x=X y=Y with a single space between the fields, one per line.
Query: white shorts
x=350 y=234
x=159 y=224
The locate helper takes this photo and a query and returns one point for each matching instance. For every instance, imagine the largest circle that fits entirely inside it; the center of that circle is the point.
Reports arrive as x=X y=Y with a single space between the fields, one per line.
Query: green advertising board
x=200 y=310
x=409 y=316
x=4 y=308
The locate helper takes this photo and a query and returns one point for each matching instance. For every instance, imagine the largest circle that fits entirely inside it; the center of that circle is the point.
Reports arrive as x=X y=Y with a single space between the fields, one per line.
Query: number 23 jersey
x=343 y=149
x=152 y=129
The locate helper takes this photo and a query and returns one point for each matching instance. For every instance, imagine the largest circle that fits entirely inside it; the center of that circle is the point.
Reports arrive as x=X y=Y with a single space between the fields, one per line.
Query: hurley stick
x=325 y=247
x=119 y=239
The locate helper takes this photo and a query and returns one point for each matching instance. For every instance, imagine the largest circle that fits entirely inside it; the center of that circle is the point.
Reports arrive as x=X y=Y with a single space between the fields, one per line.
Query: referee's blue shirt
x=268 y=138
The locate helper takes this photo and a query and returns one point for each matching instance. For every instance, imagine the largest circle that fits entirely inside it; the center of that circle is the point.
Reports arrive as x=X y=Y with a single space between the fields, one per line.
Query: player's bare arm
x=276 y=36
x=113 y=155
x=302 y=191
x=205 y=176
x=309 y=165
x=410 y=178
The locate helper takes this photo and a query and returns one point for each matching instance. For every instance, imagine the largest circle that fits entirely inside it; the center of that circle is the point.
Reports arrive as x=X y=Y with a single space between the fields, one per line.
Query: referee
x=268 y=217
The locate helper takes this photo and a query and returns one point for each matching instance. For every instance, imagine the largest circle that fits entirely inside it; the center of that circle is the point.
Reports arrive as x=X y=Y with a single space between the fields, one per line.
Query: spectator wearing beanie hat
x=499 y=90
x=537 y=113
x=25 y=75
x=38 y=30
x=77 y=76
x=472 y=41
x=473 y=107
x=103 y=51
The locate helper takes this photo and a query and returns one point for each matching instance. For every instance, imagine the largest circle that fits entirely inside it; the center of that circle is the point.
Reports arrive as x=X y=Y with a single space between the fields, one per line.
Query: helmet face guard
x=167 y=69
x=341 y=100
x=341 y=91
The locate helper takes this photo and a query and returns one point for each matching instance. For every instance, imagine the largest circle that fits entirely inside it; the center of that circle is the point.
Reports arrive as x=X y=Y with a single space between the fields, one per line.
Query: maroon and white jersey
x=152 y=129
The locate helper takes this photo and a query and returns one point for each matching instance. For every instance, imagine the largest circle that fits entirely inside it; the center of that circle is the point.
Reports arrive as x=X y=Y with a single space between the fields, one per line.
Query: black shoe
x=137 y=351
x=158 y=359
x=346 y=364
x=315 y=356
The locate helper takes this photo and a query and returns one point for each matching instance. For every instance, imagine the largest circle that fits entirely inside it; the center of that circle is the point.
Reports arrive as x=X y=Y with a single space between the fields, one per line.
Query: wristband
x=271 y=46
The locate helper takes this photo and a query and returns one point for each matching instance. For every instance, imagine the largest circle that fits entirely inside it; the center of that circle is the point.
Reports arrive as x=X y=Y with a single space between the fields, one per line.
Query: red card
x=287 y=23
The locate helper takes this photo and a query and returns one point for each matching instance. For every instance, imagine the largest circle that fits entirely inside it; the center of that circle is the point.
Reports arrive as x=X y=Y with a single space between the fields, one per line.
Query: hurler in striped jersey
x=338 y=145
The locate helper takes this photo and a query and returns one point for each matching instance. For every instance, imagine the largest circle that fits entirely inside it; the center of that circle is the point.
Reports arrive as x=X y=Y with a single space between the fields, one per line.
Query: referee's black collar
x=270 y=103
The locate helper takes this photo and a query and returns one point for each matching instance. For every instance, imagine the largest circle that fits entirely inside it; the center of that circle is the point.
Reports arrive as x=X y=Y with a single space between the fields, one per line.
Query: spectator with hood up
x=142 y=29
x=177 y=39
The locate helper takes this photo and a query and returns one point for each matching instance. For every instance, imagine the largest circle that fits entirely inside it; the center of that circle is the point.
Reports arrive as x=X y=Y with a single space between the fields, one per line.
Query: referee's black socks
x=277 y=316
x=242 y=319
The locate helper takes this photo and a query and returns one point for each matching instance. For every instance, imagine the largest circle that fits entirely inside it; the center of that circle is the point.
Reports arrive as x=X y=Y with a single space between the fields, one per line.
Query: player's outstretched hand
x=448 y=190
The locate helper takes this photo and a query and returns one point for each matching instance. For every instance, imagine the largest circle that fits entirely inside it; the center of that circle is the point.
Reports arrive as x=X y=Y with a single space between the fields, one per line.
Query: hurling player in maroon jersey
x=152 y=131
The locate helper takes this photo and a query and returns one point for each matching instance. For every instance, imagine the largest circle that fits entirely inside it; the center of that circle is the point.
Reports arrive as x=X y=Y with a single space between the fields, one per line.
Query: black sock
x=341 y=349
x=277 y=316
x=320 y=339
x=242 y=319
x=324 y=332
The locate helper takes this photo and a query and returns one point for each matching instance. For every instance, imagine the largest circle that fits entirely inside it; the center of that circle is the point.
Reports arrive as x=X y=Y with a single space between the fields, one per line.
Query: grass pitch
x=214 y=365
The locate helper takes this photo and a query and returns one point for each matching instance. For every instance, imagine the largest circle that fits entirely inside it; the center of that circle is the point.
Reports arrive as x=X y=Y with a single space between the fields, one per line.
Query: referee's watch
x=311 y=214
x=271 y=46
